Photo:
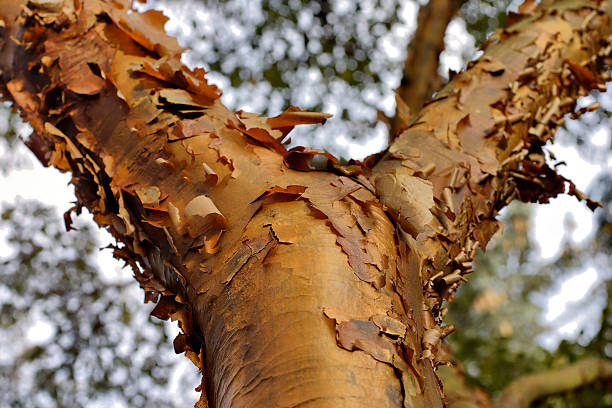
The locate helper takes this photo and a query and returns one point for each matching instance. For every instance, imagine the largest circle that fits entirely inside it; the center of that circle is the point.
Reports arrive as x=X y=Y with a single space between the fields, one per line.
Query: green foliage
x=71 y=336
x=11 y=148
x=501 y=296
x=600 y=345
x=482 y=17
x=496 y=317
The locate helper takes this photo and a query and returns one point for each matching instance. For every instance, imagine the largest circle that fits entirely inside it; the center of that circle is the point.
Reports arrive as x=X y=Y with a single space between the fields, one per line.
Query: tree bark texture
x=295 y=284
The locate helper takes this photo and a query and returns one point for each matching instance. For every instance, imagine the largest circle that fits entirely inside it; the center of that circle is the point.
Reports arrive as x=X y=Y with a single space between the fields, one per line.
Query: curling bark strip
x=290 y=283
x=478 y=144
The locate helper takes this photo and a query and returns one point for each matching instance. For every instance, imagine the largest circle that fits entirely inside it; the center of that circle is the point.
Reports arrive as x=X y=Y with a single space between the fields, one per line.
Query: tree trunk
x=295 y=284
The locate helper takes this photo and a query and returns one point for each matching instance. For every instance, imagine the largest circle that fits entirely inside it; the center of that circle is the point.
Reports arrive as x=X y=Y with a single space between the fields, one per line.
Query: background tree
x=71 y=333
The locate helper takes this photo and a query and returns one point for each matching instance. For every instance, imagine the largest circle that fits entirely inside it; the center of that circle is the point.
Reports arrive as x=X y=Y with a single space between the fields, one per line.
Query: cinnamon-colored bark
x=291 y=284
x=478 y=144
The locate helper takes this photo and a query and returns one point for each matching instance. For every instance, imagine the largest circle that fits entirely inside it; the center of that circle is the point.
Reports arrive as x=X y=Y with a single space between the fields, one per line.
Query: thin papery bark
x=420 y=76
x=290 y=283
x=478 y=144
x=522 y=392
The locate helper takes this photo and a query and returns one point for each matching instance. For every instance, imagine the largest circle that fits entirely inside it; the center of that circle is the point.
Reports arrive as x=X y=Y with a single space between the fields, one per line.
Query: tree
x=296 y=279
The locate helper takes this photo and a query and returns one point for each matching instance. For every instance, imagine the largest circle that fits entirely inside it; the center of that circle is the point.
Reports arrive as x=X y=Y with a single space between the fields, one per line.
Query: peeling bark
x=478 y=144
x=291 y=284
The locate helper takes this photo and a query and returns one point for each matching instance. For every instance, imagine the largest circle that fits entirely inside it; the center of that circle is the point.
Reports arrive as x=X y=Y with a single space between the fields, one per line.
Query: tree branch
x=522 y=392
x=478 y=144
x=420 y=75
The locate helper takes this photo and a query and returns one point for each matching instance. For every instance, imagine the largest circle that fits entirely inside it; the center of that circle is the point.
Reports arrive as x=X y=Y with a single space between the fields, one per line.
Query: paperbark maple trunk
x=292 y=285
